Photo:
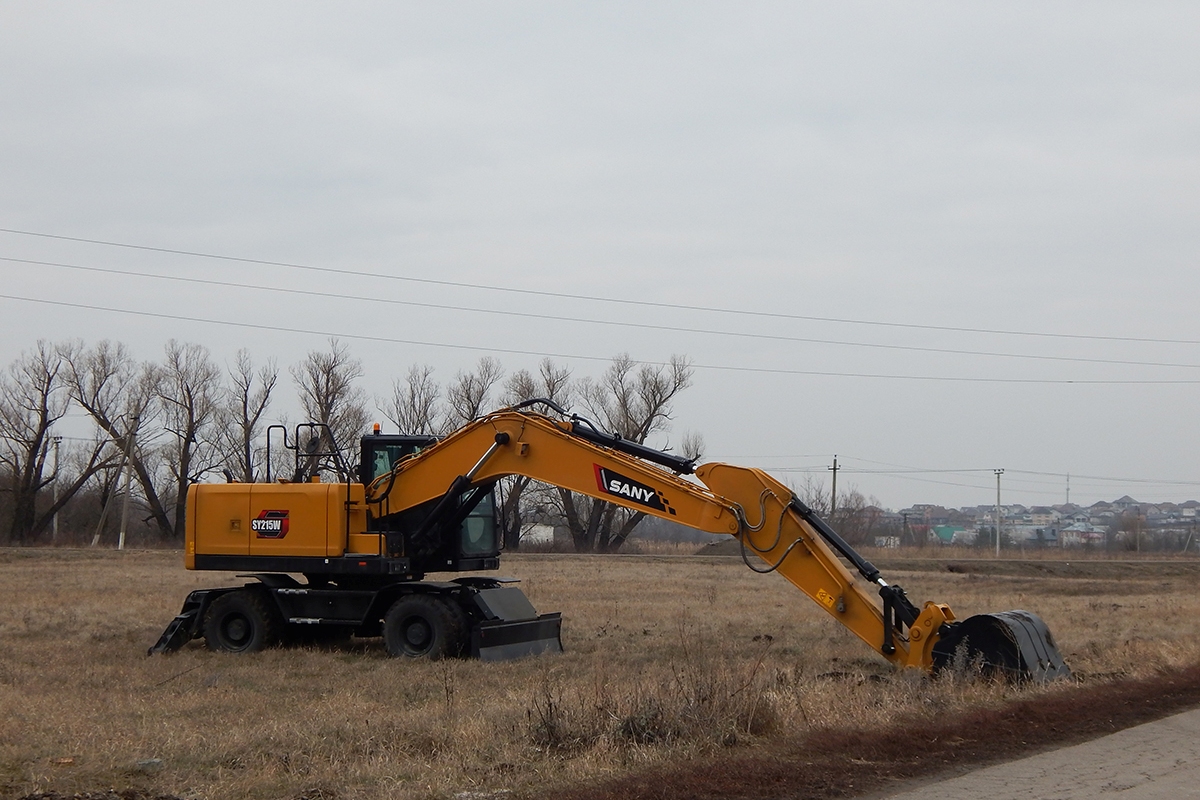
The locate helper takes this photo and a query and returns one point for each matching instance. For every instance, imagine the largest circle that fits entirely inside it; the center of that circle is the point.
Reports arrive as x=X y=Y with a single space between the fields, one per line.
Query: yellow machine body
x=319 y=528
x=277 y=519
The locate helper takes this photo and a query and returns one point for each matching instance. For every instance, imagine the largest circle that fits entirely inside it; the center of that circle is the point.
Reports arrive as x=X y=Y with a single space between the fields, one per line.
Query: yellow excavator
x=422 y=505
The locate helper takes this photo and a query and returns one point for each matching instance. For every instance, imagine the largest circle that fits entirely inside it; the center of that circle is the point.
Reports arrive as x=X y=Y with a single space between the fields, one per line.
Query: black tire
x=421 y=626
x=461 y=631
x=241 y=622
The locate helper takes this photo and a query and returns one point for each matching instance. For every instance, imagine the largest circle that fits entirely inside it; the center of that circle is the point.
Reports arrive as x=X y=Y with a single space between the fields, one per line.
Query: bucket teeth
x=1015 y=644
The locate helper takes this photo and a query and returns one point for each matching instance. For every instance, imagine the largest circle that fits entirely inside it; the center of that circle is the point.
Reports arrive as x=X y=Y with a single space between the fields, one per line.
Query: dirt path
x=863 y=764
x=1155 y=760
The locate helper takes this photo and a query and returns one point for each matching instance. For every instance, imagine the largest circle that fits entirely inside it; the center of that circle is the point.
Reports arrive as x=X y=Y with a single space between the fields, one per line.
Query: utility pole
x=998 y=472
x=54 y=520
x=128 y=485
x=1137 y=526
x=124 y=458
x=833 y=500
x=1068 y=488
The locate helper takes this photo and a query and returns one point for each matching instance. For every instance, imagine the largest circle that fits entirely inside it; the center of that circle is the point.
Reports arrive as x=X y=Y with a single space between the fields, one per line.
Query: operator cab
x=462 y=538
x=379 y=452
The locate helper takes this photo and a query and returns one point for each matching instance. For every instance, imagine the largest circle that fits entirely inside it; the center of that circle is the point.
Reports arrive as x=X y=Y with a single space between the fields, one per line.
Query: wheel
x=421 y=626
x=241 y=622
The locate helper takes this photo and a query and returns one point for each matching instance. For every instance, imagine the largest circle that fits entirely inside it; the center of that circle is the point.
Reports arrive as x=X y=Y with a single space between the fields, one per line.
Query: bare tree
x=121 y=396
x=552 y=382
x=857 y=518
x=1128 y=529
x=241 y=415
x=100 y=486
x=692 y=445
x=189 y=389
x=813 y=493
x=33 y=397
x=468 y=395
x=636 y=402
x=325 y=381
x=413 y=406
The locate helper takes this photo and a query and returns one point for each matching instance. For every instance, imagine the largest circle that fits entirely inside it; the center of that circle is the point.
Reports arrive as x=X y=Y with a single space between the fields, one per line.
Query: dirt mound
x=845 y=764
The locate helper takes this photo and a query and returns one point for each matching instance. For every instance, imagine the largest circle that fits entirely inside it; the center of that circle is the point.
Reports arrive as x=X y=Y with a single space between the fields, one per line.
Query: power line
x=910 y=471
x=1036 y=472
x=597 y=298
x=903 y=469
x=911 y=477
x=615 y=323
x=1112 y=480
x=903 y=477
x=546 y=354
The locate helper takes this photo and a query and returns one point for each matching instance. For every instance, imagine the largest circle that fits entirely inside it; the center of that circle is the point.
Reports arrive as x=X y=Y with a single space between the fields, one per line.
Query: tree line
x=166 y=424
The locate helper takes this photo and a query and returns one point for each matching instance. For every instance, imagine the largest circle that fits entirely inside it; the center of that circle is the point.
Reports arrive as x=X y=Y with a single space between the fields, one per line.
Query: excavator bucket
x=1014 y=644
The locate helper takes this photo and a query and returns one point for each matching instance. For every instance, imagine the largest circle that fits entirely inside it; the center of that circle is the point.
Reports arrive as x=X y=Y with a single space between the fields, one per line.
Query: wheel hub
x=237 y=630
x=417 y=634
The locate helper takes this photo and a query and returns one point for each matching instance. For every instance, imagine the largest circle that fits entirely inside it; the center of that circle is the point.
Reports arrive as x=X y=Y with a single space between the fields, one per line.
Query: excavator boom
x=770 y=522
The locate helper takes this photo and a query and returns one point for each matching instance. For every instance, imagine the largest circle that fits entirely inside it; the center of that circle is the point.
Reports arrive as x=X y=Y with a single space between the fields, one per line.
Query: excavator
x=422 y=505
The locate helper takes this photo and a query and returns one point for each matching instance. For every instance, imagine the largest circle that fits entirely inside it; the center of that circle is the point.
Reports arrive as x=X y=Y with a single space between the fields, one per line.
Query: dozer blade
x=498 y=640
x=1014 y=644
x=512 y=628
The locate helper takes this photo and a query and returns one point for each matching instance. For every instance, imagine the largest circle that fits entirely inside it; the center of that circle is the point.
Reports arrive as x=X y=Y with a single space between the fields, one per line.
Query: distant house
x=1035 y=535
x=1041 y=516
x=1123 y=504
x=1081 y=533
x=1101 y=513
x=930 y=514
x=951 y=534
x=882 y=516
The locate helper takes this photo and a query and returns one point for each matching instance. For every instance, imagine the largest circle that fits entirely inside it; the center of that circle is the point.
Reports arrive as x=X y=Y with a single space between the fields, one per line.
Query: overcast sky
x=843 y=173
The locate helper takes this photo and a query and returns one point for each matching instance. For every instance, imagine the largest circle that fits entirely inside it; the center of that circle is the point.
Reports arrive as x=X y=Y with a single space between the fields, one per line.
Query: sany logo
x=270 y=524
x=616 y=484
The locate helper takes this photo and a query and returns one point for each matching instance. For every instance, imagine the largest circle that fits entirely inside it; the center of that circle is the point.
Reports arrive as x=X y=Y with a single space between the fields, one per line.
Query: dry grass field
x=671 y=659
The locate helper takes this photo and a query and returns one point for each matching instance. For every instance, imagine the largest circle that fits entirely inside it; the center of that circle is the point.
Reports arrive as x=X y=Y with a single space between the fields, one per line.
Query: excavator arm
x=762 y=513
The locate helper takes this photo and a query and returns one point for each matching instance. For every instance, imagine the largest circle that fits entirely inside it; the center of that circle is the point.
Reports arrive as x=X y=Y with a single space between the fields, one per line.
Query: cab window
x=479 y=528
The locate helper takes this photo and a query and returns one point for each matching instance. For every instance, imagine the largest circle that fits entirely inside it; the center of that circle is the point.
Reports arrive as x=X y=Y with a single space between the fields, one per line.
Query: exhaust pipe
x=1015 y=645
